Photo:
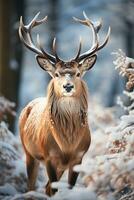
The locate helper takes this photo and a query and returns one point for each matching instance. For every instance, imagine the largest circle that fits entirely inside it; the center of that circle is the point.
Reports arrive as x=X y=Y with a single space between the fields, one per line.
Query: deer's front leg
x=72 y=177
x=51 y=171
x=32 y=171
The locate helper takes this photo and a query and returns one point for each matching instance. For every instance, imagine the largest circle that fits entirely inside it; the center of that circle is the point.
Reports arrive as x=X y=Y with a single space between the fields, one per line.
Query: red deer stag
x=57 y=132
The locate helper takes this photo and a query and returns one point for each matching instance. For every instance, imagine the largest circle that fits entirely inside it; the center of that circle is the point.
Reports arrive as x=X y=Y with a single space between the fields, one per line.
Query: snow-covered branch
x=125 y=66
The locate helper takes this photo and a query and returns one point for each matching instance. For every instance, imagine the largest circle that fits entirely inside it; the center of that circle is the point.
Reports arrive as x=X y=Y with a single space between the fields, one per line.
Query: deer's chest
x=68 y=154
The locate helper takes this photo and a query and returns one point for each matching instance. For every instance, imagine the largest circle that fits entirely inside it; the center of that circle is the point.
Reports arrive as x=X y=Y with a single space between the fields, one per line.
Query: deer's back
x=30 y=116
x=29 y=121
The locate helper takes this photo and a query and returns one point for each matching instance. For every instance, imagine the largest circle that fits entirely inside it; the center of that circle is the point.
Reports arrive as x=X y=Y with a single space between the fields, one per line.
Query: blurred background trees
x=21 y=79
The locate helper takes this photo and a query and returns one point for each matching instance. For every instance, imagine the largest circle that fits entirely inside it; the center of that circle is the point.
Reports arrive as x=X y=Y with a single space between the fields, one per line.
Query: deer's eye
x=56 y=74
x=78 y=74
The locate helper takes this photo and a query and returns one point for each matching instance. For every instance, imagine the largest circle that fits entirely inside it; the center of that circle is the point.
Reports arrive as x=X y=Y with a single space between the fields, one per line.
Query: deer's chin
x=68 y=94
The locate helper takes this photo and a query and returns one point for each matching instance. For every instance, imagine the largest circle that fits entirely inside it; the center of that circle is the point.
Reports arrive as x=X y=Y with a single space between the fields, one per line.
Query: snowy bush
x=6 y=107
x=110 y=174
x=125 y=65
x=12 y=169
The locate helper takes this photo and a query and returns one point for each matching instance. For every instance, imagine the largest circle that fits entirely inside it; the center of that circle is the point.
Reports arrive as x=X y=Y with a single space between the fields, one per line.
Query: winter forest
x=107 y=168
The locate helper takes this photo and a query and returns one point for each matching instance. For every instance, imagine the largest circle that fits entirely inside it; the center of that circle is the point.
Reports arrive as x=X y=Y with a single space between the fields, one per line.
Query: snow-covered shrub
x=12 y=169
x=125 y=65
x=13 y=180
x=108 y=167
x=6 y=107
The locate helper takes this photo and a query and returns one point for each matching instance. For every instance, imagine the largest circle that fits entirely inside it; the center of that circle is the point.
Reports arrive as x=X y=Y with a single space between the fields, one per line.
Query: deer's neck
x=68 y=112
x=68 y=115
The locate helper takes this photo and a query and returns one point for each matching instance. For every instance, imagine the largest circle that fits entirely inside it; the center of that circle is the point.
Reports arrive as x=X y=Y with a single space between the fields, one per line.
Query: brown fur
x=55 y=133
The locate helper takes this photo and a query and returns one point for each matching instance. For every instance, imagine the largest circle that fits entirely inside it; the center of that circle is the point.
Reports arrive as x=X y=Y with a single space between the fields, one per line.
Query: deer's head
x=66 y=75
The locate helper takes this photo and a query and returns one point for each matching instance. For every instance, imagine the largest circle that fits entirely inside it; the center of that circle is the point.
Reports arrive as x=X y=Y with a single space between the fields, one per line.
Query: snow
x=31 y=195
x=8 y=189
x=78 y=193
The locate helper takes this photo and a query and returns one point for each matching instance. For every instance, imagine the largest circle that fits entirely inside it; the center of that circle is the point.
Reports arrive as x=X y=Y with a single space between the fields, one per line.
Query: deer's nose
x=68 y=87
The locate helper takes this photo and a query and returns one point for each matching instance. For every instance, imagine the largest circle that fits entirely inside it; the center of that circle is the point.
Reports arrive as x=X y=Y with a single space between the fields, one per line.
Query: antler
x=26 y=38
x=95 y=45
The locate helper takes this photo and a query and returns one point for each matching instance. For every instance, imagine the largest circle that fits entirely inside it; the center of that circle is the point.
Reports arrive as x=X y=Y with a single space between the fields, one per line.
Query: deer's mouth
x=68 y=93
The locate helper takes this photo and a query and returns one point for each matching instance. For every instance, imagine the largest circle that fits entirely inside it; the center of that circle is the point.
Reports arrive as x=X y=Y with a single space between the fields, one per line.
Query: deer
x=56 y=132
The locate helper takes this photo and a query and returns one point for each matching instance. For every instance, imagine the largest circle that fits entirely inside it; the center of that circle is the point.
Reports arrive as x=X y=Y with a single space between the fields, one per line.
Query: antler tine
x=35 y=22
x=22 y=24
x=51 y=57
x=85 y=16
x=95 y=43
x=99 y=25
x=79 y=50
x=95 y=29
x=27 y=43
x=54 y=50
x=26 y=38
x=106 y=39
x=31 y=24
x=95 y=39
x=80 y=20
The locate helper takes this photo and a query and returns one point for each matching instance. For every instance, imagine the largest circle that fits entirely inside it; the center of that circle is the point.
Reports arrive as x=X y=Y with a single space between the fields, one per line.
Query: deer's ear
x=87 y=64
x=46 y=65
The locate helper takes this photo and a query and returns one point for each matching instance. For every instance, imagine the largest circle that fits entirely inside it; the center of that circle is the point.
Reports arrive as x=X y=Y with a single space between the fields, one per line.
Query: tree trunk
x=10 y=51
x=129 y=29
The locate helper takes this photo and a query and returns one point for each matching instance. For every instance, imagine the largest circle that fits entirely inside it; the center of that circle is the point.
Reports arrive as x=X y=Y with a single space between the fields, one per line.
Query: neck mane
x=66 y=110
x=69 y=114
